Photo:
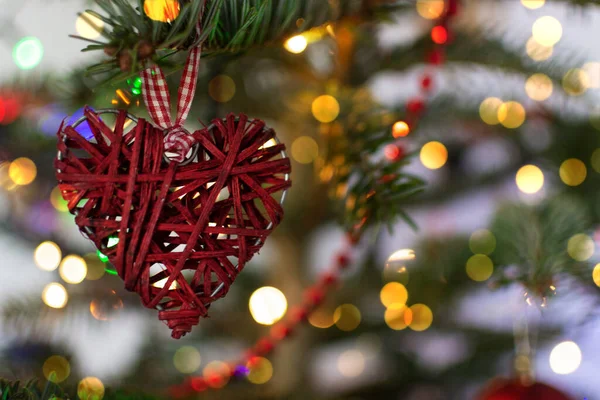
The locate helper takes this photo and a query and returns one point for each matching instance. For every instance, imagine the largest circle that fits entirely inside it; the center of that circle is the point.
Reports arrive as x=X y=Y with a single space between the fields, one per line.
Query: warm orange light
x=162 y=10
x=400 y=129
x=439 y=34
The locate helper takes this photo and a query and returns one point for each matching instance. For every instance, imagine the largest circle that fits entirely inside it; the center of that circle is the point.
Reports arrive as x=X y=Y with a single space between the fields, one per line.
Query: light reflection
x=267 y=305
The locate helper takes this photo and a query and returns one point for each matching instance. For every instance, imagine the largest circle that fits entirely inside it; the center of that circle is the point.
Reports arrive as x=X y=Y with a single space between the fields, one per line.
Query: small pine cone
x=124 y=59
x=110 y=51
x=145 y=50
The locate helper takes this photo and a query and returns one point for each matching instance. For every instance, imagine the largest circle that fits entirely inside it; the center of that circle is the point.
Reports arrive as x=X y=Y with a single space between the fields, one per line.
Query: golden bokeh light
x=89 y=26
x=95 y=267
x=547 y=30
x=433 y=155
x=422 y=317
x=530 y=179
x=575 y=82
x=398 y=316
x=396 y=266
x=511 y=114
x=57 y=200
x=267 y=305
x=22 y=171
x=581 y=247
x=321 y=318
x=572 y=172
x=325 y=108
x=347 y=317
x=221 y=88
x=90 y=388
x=596 y=160
x=55 y=295
x=73 y=269
x=305 y=150
x=538 y=52
x=400 y=129
x=261 y=370
x=296 y=44
x=596 y=275
x=162 y=10
x=351 y=363
x=565 y=358
x=592 y=70
x=488 y=110
x=187 y=359
x=105 y=306
x=393 y=293
x=538 y=87
x=217 y=374
x=533 y=4
x=482 y=241
x=480 y=267
x=47 y=256
x=430 y=9
x=56 y=369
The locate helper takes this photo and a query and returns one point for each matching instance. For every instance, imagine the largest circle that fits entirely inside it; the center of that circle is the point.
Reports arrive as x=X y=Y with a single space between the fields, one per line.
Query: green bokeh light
x=28 y=53
x=101 y=256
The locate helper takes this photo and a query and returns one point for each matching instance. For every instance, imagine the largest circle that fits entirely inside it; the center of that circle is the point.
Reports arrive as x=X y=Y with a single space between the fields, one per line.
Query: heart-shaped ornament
x=178 y=234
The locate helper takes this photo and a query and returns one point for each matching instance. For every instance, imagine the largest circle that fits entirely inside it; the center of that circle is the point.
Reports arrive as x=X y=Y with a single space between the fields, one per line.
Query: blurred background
x=499 y=278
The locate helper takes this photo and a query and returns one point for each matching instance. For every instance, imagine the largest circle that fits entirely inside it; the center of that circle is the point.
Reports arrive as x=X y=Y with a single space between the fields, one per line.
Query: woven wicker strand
x=179 y=227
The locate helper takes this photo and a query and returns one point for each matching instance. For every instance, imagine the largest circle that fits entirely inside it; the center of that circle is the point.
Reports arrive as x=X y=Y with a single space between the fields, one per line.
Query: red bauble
x=503 y=389
x=177 y=234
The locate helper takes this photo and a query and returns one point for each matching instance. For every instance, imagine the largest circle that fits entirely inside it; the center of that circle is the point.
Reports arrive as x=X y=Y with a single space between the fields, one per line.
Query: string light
x=260 y=370
x=267 y=305
x=572 y=172
x=305 y=150
x=22 y=171
x=576 y=82
x=296 y=44
x=325 y=108
x=511 y=114
x=217 y=374
x=488 y=110
x=596 y=275
x=565 y=358
x=580 y=247
x=28 y=53
x=351 y=363
x=162 y=10
x=90 y=388
x=547 y=31
x=538 y=52
x=482 y=241
x=187 y=359
x=400 y=129
x=393 y=293
x=538 y=87
x=47 y=256
x=422 y=317
x=55 y=295
x=533 y=4
x=479 y=267
x=398 y=316
x=430 y=9
x=439 y=34
x=529 y=179
x=73 y=269
x=347 y=317
x=89 y=26
x=56 y=369
x=433 y=155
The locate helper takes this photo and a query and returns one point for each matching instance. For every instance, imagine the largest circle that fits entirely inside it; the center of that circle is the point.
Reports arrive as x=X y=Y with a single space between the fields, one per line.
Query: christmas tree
x=438 y=240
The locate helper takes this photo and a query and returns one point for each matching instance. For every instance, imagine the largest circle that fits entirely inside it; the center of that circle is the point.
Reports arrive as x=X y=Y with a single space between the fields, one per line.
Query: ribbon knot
x=158 y=102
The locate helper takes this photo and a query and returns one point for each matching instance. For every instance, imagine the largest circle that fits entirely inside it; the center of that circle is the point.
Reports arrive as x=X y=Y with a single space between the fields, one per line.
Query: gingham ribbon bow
x=158 y=101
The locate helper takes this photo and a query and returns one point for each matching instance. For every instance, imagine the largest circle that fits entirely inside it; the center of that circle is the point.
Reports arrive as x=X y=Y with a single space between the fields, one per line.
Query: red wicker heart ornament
x=177 y=234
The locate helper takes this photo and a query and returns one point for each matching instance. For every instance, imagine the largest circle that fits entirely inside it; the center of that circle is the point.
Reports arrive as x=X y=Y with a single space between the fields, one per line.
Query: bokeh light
x=305 y=150
x=430 y=9
x=267 y=305
x=162 y=10
x=325 y=108
x=482 y=241
x=538 y=52
x=596 y=275
x=55 y=295
x=28 y=53
x=488 y=110
x=530 y=179
x=396 y=266
x=73 y=269
x=187 y=359
x=22 y=171
x=106 y=306
x=296 y=44
x=261 y=370
x=533 y=4
x=439 y=34
x=422 y=317
x=592 y=70
x=400 y=129
x=221 y=88
x=595 y=160
x=56 y=369
x=398 y=316
x=321 y=318
x=547 y=31
x=217 y=374
x=89 y=26
x=351 y=363
x=393 y=293
x=95 y=267
x=480 y=267
x=511 y=114
x=565 y=358
x=347 y=317
x=538 y=87
x=47 y=256
x=58 y=202
x=433 y=155
x=572 y=172
x=581 y=247
x=575 y=82
x=90 y=388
